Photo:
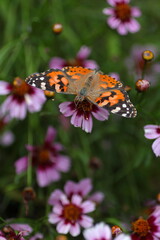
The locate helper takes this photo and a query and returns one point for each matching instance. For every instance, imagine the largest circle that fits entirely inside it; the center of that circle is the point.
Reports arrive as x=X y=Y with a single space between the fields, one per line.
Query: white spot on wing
x=117 y=109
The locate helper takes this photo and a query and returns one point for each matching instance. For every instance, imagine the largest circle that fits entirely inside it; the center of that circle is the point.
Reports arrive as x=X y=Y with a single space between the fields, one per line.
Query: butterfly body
x=86 y=84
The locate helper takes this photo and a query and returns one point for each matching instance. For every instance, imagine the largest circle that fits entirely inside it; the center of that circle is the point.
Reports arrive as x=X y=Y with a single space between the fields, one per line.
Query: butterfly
x=86 y=84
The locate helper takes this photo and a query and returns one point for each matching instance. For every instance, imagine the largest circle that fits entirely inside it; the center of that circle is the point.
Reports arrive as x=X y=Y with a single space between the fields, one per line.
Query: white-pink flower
x=122 y=16
x=102 y=231
x=71 y=214
x=82 y=112
x=80 y=60
x=82 y=188
x=22 y=98
x=47 y=160
x=153 y=132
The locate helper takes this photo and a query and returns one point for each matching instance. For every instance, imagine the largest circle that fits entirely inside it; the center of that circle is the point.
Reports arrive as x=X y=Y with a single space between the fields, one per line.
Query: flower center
x=85 y=106
x=141 y=227
x=20 y=87
x=123 y=11
x=43 y=156
x=72 y=212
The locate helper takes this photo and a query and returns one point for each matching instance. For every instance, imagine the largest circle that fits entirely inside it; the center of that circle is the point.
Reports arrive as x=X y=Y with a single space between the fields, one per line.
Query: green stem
x=29 y=169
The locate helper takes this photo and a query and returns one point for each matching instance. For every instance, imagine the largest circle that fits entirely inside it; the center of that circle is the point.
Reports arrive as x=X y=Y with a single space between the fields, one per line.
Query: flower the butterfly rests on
x=87 y=84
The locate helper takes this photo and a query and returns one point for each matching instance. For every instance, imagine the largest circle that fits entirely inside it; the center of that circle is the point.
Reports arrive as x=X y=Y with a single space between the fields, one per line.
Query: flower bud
x=147 y=55
x=49 y=94
x=142 y=85
x=28 y=194
x=57 y=28
x=116 y=230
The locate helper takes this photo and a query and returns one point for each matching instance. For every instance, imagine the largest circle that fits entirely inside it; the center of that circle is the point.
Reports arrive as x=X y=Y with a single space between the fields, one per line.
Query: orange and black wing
x=114 y=98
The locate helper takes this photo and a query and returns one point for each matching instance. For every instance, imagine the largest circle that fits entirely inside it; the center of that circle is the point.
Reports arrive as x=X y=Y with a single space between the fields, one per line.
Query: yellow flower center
x=123 y=11
x=20 y=87
x=72 y=212
x=141 y=227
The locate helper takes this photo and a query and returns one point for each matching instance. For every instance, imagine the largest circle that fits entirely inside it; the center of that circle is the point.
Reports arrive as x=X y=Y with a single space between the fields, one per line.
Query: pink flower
x=47 y=160
x=82 y=188
x=70 y=214
x=22 y=97
x=135 y=63
x=80 y=60
x=82 y=114
x=15 y=231
x=153 y=132
x=121 y=16
x=102 y=231
x=147 y=229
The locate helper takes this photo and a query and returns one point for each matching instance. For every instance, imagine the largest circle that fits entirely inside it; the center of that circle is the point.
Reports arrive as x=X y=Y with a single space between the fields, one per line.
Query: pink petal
x=108 y=11
x=87 y=124
x=151 y=131
x=97 y=197
x=55 y=197
x=47 y=176
x=53 y=218
x=122 y=29
x=37 y=236
x=70 y=188
x=66 y=109
x=133 y=26
x=35 y=101
x=21 y=165
x=84 y=186
x=112 y=2
x=88 y=206
x=101 y=114
x=113 y=22
x=58 y=208
x=18 y=110
x=4 y=88
x=86 y=221
x=104 y=231
x=50 y=135
x=20 y=227
x=90 y=64
x=76 y=199
x=123 y=236
x=135 y=12
x=114 y=75
x=63 y=163
x=156 y=147
x=76 y=120
x=63 y=227
x=3 y=238
x=75 y=230
x=84 y=52
x=57 y=62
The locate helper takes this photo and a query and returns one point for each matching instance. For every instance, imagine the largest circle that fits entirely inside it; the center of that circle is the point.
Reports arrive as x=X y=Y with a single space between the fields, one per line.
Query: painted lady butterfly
x=85 y=83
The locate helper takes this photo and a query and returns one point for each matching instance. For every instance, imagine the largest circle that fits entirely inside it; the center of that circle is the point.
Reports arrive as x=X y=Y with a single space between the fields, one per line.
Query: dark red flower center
x=71 y=212
x=84 y=108
x=20 y=87
x=141 y=227
x=123 y=11
x=43 y=156
x=10 y=234
x=158 y=130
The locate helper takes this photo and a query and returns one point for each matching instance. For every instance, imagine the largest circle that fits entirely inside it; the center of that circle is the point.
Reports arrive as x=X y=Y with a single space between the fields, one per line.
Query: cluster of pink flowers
x=71 y=206
x=122 y=16
x=46 y=159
